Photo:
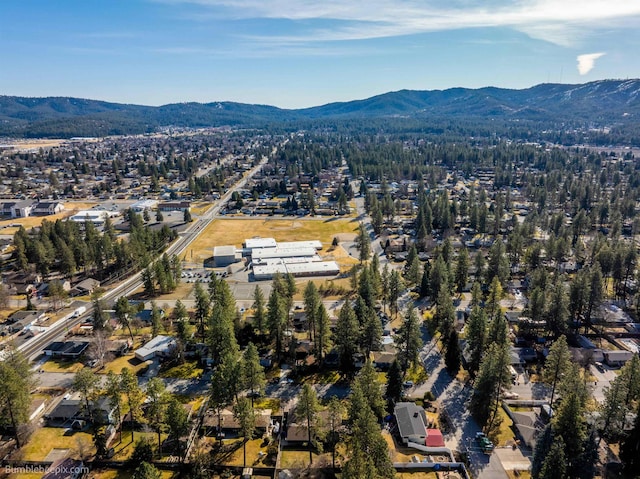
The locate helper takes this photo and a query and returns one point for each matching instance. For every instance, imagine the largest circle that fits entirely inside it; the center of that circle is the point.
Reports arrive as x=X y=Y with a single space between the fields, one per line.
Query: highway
x=57 y=330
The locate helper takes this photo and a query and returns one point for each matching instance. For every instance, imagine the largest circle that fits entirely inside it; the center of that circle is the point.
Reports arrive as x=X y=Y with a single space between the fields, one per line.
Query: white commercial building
x=281 y=252
x=140 y=206
x=97 y=217
x=226 y=255
x=255 y=243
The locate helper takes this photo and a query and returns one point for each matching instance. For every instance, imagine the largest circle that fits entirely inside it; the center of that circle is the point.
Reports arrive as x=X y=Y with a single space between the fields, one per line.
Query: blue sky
x=299 y=53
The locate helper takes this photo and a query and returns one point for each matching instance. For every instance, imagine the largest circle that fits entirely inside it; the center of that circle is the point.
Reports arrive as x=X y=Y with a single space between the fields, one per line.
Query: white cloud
x=587 y=61
x=559 y=22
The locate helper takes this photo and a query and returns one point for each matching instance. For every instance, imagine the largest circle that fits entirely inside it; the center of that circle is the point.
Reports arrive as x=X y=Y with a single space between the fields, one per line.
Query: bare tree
x=99 y=350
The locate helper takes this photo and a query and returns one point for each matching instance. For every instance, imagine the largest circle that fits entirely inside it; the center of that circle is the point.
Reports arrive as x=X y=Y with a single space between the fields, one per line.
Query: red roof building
x=434 y=438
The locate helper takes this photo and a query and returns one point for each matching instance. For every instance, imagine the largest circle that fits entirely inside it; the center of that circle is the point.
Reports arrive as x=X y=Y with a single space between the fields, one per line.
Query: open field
x=11 y=225
x=234 y=232
x=47 y=438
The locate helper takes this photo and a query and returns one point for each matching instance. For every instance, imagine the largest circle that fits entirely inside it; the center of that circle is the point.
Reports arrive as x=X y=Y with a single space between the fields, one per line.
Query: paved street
x=453 y=397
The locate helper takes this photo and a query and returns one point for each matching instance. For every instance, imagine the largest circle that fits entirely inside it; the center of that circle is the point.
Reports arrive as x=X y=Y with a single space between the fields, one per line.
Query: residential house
x=411 y=420
x=413 y=426
x=23 y=320
x=66 y=349
x=46 y=208
x=85 y=287
x=160 y=346
x=17 y=209
x=230 y=426
x=296 y=433
x=72 y=409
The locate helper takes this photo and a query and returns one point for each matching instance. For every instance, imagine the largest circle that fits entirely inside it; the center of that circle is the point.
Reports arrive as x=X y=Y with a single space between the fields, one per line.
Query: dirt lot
x=235 y=231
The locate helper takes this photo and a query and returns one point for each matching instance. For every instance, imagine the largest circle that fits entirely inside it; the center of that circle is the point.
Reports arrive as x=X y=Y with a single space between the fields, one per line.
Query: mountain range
x=596 y=103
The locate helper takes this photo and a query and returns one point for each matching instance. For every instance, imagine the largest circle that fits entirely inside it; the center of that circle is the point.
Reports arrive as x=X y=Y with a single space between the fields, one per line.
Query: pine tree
x=135 y=396
x=307 y=413
x=368 y=451
x=557 y=364
x=409 y=341
x=311 y=302
x=276 y=320
x=346 y=337
x=177 y=422
x=322 y=336
x=555 y=464
x=476 y=338
x=86 y=382
x=630 y=448
x=259 y=310
x=462 y=269
x=452 y=355
x=253 y=372
x=156 y=410
x=246 y=417
x=367 y=379
x=16 y=383
x=394 y=385
x=146 y=471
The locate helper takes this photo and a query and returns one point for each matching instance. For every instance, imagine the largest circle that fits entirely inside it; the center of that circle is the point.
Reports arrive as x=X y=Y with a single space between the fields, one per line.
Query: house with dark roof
x=66 y=349
x=45 y=208
x=23 y=320
x=84 y=287
x=230 y=425
x=411 y=420
x=297 y=432
x=72 y=409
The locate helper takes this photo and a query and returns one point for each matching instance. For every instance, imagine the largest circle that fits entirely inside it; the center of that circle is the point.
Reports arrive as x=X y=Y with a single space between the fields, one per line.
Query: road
x=453 y=397
x=33 y=347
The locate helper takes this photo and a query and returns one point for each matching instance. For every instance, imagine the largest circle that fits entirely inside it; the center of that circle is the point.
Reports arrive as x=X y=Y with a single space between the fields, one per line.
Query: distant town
x=318 y=303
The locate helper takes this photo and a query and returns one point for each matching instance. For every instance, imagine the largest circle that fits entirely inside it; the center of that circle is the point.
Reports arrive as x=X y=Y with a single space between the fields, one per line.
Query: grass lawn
x=58 y=366
x=267 y=403
x=126 y=447
x=234 y=232
x=181 y=292
x=47 y=438
x=323 y=377
x=127 y=361
x=505 y=433
x=417 y=374
x=188 y=370
x=232 y=453
x=296 y=459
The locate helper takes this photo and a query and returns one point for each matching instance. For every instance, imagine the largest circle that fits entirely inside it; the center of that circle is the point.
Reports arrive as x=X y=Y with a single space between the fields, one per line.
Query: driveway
x=453 y=397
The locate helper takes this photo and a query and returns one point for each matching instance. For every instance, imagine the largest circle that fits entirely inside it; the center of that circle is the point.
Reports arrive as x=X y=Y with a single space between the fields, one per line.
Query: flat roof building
x=226 y=255
x=283 y=252
x=259 y=243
